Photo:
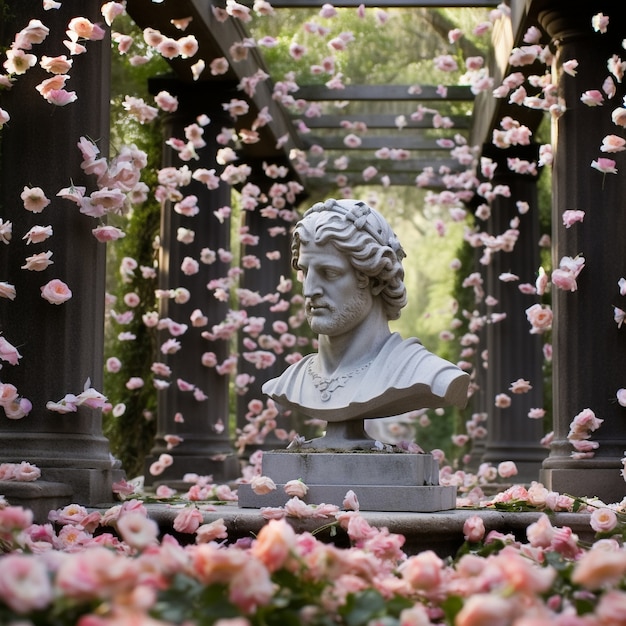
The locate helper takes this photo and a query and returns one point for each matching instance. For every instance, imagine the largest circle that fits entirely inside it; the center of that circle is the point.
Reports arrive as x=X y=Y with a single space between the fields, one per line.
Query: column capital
x=563 y=24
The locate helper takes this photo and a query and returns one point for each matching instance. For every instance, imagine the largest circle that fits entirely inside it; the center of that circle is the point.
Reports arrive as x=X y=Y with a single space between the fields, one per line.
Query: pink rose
x=507 y=469
x=474 y=529
x=274 y=544
x=503 y=401
x=351 y=502
x=262 y=485
x=212 y=531
x=295 y=488
x=423 y=571
x=56 y=292
x=188 y=520
x=8 y=352
x=137 y=530
x=520 y=386
x=603 y=520
x=540 y=318
x=25 y=583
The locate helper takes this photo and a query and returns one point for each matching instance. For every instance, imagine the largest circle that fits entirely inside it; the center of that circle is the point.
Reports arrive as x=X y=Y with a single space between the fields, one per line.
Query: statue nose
x=312 y=285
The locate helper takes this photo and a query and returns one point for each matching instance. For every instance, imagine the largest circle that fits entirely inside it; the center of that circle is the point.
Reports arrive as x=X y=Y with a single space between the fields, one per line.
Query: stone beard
x=349 y=263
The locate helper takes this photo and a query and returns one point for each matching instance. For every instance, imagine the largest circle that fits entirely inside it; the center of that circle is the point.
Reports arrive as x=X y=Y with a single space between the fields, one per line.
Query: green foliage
x=131 y=435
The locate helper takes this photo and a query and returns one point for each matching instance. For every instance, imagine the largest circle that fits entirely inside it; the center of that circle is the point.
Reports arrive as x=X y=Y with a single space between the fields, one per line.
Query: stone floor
x=438 y=531
x=441 y=531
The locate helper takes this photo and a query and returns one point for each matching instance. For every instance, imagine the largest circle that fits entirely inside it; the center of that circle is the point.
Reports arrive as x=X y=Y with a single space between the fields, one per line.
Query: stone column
x=206 y=447
x=589 y=349
x=265 y=281
x=61 y=345
x=513 y=352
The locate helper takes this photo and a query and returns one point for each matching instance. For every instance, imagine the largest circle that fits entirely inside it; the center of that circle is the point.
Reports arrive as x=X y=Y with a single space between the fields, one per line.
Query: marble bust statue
x=350 y=264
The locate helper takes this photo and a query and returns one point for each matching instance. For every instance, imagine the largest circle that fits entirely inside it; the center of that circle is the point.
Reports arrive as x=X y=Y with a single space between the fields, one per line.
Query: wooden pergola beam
x=402 y=142
x=214 y=39
x=384 y=4
x=380 y=121
x=329 y=180
x=384 y=93
x=387 y=166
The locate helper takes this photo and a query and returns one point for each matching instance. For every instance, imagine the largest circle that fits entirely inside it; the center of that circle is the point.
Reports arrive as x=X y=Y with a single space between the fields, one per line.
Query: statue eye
x=331 y=273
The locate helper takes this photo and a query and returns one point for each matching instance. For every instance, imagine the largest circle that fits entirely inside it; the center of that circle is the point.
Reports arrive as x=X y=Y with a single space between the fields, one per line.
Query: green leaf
x=361 y=607
x=451 y=607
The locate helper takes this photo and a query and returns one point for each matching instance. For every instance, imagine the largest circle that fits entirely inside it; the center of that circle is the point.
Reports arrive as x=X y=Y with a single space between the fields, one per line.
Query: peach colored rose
x=56 y=292
x=188 y=520
x=295 y=488
x=541 y=532
x=24 y=583
x=483 y=608
x=209 y=532
x=262 y=485
x=603 y=520
x=423 y=571
x=507 y=469
x=274 y=543
x=251 y=586
x=598 y=567
x=520 y=386
x=502 y=401
x=540 y=318
x=137 y=530
x=474 y=529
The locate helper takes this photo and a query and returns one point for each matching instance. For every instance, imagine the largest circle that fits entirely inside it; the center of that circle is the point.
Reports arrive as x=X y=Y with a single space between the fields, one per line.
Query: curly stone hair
x=365 y=237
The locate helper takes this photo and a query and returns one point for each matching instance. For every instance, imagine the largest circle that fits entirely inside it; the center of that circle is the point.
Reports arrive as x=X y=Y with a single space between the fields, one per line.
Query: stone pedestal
x=383 y=481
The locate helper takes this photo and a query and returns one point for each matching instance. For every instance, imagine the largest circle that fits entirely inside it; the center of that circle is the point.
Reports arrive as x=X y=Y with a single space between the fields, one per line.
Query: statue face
x=337 y=297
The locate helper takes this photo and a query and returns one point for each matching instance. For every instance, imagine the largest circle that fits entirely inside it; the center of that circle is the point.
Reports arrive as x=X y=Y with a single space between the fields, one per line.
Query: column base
x=224 y=468
x=40 y=496
x=604 y=483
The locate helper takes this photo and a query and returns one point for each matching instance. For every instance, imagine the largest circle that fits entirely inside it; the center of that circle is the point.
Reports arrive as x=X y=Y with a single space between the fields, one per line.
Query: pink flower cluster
x=115 y=567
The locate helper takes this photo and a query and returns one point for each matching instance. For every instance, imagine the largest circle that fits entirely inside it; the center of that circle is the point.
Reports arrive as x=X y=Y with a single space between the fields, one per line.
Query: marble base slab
x=381 y=481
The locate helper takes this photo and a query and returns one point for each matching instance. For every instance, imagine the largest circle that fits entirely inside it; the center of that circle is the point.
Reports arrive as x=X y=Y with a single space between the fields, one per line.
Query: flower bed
x=115 y=567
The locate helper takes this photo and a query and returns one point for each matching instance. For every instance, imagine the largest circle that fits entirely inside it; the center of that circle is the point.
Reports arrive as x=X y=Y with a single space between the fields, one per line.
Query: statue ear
x=376 y=286
x=363 y=280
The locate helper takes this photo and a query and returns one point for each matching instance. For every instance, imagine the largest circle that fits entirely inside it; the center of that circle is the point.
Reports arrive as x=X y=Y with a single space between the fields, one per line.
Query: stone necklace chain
x=326 y=386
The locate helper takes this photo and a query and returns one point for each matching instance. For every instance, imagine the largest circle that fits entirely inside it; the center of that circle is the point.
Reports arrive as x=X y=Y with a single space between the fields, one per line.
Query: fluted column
x=274 y=237
x=61 y=345
x=589 y=349
x=204 y=428
x=513 y=352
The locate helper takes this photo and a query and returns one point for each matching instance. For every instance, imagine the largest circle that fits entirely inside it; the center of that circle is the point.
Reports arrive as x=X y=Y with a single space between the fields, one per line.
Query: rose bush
x=113 y=567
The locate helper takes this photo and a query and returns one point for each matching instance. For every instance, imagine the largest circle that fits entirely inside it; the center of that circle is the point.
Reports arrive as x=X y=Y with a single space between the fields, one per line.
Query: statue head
x=364 y=236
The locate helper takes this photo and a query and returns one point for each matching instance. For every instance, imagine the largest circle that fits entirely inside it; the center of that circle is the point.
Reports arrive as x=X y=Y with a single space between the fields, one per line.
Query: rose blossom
x=188 y=520
x=274 y=544
x=38 y=262
x=507 y=469
x=520 y=386
x=8 y=352
x=209 y=532
x=603 y=520
x=474 y=529
x=24 y=583
x=137 y=530
x=295 y=488
x=262 y=485
x=540 y=318
x=599 y=567
x=56 y=292
x=502 y=401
